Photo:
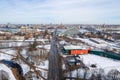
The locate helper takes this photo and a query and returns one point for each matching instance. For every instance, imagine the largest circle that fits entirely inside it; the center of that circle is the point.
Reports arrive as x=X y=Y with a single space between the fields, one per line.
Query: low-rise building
x=75 y=50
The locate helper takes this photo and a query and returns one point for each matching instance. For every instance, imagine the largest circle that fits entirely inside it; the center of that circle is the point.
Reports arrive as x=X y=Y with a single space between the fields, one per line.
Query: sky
x=60 y=11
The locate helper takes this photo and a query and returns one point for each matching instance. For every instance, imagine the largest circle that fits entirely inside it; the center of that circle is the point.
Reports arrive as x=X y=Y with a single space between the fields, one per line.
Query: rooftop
x=74 y=47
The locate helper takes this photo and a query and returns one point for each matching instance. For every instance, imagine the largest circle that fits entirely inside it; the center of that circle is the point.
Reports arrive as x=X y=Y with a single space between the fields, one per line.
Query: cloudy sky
x=60 y=11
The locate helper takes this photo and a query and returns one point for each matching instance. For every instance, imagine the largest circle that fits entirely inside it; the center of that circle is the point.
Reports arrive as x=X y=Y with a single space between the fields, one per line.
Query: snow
x=63 y=42
x=98 y=40
x=106 y=64
x=74 y=47
x=91 y=43
x=40 y=46
x=25 y=68
x=101 y=62
x=33 y=39
x=8 y=57
x=8 y=70
x=45 y=65
x=42 y=40
x=47 y=47
x=81 y=73
x=23 y=53
x=83 y=31
x=5 y=56
x=106 y=45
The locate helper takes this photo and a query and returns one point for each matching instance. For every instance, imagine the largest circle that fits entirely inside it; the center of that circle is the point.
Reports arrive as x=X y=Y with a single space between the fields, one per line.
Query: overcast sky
x=60 y=11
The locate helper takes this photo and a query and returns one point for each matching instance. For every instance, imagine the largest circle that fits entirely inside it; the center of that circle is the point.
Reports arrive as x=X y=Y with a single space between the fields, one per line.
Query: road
x=54 y=60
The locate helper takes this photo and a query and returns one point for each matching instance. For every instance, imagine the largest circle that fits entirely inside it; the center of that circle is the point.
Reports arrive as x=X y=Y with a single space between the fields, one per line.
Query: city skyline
x=60 y=11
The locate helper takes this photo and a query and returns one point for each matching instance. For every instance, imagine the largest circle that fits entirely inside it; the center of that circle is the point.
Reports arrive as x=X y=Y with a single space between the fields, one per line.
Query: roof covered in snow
x=68 y=47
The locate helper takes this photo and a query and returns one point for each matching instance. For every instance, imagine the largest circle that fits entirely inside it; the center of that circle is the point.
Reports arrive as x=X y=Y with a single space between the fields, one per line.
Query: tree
x=114 y=74
x=98 y=74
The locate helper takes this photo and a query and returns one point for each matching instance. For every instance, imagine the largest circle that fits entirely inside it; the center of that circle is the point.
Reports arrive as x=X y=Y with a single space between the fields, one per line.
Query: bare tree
x=98 y=74
x=20 y=57
x=114 y=74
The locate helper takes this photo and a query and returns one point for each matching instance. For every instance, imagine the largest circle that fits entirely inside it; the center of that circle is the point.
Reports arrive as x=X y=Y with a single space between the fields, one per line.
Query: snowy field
x=8 y=70
x=101 y=62
x=6 y=54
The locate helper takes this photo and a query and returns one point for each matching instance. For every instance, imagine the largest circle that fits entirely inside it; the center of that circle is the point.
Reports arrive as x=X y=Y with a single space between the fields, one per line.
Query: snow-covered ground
x=8 y=70
x=91 y=43
x=5 y=56
x=25 y=67
x=44 y=66
x=47 y=47
x=105 y=45
x=101 y=62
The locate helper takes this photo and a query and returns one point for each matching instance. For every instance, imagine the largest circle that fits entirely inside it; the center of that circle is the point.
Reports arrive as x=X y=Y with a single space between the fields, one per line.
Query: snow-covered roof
x=5 y=56
x=74 y=47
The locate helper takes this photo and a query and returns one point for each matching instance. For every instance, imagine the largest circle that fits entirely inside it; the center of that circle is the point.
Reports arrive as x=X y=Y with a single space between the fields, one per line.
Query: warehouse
x=72 y=50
